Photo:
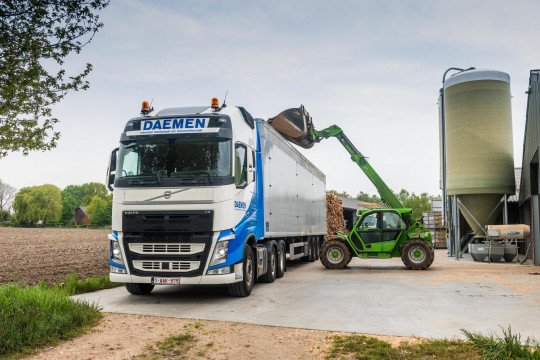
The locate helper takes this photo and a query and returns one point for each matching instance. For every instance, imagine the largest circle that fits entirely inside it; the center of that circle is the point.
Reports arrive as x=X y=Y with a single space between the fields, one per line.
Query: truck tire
x=139 y=289
x=317 y=247
x=313 y=244
x=243 y=288
x=281 y=260
x=335 y=254
x=417 y=254
x=271 y=271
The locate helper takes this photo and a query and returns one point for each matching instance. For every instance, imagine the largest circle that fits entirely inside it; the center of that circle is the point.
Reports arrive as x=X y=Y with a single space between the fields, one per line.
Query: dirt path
x=120 y=336
x=30 y=255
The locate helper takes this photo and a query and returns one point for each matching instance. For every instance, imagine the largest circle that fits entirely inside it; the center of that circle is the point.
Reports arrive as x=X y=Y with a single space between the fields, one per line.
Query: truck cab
x=184 y=197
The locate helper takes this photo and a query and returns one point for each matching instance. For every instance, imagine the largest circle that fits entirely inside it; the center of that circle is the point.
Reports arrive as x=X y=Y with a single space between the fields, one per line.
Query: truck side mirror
x=111 y=169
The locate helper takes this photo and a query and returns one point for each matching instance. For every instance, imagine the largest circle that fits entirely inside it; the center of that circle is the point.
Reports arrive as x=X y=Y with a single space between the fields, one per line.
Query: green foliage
x=4 y=215
x=173 y=347
x=509 y=346
x=35 y=39
x=36 y=316
x=38 y=203
x=418 y=203
x=99 y=210
x=362 y=196
x=74 y=196
x=368 y=348
x=74 y=285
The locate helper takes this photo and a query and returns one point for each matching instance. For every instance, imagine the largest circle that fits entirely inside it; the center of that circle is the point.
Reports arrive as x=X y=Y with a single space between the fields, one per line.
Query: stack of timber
x=334 y=215
x=433 y=220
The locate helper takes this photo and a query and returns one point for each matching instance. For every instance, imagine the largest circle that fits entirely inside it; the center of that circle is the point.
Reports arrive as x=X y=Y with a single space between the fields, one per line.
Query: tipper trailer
x=209 y=195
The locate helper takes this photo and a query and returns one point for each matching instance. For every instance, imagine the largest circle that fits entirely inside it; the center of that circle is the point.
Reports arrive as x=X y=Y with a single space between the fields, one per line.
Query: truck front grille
x=164 y=248
x=173 y=243
x=166 y=266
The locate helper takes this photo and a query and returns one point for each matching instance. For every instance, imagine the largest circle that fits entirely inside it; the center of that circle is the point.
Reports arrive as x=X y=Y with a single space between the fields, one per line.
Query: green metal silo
x=479 y=149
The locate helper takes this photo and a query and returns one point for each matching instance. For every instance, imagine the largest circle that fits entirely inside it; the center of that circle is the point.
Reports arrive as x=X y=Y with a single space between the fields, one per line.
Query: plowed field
x=29 y=255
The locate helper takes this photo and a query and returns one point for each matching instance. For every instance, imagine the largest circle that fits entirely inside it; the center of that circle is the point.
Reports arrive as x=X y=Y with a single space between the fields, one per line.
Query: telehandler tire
x=335 y=254
x=417 y=254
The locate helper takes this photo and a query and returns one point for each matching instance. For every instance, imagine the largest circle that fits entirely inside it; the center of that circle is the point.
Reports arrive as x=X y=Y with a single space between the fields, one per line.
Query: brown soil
x=28 y=256
x=120 y=336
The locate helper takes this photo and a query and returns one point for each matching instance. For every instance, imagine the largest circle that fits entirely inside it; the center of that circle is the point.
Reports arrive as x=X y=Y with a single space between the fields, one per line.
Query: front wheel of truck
x=139 y=289
x=243 y=288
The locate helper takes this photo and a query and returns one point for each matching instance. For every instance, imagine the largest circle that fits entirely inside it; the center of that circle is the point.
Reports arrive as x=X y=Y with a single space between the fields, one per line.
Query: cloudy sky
x=372 y=67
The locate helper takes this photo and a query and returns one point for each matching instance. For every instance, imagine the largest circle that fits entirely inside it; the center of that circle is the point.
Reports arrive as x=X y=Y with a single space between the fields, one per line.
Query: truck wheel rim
x=335 y=255
x=249 y=272
x=417 y=254
x=273 y=261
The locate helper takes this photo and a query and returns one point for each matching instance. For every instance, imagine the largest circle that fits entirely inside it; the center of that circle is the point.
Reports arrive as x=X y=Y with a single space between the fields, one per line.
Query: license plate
x=165 y=281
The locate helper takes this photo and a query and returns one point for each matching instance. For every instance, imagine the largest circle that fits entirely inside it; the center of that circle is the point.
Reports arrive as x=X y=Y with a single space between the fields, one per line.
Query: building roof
x=353 y=204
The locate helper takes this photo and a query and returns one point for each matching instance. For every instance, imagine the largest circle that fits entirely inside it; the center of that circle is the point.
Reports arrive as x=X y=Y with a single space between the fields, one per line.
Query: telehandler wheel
x=335 y=254
x=139 y=289
x=417 y=254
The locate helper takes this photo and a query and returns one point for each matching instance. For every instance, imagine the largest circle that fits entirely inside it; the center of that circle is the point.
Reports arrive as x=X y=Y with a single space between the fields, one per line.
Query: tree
x=4 y=215
x=38 y=203
x=99 y=210
x=74 y=196
x=35 y=38
x=7 y=193
x=418 y=203
x=362 y=196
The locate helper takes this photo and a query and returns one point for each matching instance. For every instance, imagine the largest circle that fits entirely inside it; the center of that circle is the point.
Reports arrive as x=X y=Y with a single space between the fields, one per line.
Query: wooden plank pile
x=334 y=215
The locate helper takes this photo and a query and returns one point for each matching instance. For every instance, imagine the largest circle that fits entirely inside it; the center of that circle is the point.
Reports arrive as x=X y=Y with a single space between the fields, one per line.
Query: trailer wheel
x=139 y=289
x=417 y=254
x=271 y=272
x=243 y=288
x=281 y=260
x=335 y=254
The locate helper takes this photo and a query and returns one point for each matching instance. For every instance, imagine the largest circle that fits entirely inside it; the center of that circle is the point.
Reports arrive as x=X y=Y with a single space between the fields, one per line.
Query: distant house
x=80 y=217
x=351 y=207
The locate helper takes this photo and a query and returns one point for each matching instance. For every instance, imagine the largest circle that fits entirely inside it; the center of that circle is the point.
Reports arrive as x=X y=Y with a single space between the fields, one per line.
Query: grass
x=173 y=347
x=73 y=285
x=506 y=347
x=32 y=317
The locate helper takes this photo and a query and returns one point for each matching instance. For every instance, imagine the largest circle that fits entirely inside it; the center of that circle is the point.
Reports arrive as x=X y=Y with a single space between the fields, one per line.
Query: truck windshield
x=175 y=158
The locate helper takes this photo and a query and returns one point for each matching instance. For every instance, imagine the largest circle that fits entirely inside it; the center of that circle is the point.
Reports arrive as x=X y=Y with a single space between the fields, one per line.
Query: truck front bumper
x=233 y=277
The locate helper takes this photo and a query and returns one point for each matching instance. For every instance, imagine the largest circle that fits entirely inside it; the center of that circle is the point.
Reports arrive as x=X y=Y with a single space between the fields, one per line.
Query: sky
x=372 y=67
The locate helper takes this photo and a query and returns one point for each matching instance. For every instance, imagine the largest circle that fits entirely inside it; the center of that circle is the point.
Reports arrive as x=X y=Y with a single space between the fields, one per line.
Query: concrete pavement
x=371 y=296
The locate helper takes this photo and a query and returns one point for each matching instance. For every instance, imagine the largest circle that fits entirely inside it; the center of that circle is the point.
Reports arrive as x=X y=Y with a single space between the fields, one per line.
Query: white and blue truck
x=210 y=195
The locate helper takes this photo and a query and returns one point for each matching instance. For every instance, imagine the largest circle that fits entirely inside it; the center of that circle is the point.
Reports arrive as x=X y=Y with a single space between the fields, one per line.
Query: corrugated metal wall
x=528 y=194
x=532 y=135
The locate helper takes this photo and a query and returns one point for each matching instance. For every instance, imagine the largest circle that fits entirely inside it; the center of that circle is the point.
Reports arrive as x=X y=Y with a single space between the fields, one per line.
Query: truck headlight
x=220 y=253
x=116 y=253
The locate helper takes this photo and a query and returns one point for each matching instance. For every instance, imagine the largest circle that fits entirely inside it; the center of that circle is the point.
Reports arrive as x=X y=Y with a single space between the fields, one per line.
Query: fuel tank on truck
x=480 y=158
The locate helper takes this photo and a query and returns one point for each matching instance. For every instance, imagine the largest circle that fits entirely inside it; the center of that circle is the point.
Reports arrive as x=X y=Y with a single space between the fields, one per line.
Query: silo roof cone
x=479 y=210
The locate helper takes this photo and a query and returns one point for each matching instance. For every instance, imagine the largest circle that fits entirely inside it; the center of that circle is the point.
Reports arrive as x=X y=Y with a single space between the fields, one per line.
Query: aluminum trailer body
x=208 y=195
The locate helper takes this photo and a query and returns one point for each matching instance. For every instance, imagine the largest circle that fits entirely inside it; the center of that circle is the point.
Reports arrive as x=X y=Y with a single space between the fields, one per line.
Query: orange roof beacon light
x=145 y=108
x=215 y=103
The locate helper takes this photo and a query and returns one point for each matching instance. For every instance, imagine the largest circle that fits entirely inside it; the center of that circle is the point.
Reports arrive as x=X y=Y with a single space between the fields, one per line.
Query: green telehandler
x=377 y=233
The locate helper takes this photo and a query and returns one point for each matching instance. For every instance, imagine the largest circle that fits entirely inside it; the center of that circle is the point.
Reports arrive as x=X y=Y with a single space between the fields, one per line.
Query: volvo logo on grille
x=167 y=195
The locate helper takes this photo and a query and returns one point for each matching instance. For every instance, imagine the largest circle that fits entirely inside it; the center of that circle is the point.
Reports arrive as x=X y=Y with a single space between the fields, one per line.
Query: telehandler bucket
x=295 y=125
